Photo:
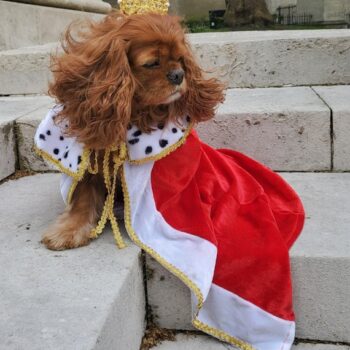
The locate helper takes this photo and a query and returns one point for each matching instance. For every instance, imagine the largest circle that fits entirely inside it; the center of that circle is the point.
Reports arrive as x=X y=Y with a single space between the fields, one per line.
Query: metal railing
x=288 y=15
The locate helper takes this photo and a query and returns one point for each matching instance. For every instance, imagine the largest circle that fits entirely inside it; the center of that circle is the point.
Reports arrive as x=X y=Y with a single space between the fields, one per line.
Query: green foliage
x=202 y=26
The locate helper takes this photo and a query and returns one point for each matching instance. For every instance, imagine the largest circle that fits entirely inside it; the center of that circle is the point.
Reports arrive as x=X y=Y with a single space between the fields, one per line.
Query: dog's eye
x=153 y=64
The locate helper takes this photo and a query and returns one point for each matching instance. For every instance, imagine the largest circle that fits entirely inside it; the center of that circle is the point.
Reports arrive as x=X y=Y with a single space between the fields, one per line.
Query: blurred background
x=206 y=15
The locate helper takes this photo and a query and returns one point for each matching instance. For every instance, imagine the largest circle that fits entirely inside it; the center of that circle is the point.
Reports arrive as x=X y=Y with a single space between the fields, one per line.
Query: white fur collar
x=68 y=154
x=142 y=146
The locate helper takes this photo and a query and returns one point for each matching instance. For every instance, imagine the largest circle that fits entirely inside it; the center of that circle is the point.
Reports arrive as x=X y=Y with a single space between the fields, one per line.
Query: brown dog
x=135 y=70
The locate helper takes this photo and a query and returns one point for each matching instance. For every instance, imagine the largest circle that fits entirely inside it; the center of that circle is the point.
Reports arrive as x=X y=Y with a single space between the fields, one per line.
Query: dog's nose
x=176 y=76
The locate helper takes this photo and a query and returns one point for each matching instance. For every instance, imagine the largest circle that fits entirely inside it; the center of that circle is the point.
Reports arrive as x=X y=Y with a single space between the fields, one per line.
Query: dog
x=128 y=93
x=125 y=70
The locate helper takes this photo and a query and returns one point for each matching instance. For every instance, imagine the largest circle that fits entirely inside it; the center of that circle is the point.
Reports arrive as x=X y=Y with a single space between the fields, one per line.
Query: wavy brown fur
x=103 y=84
x=103 y=89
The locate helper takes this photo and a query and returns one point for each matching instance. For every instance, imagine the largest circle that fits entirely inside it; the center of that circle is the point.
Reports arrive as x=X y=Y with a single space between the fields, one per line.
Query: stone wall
x=195 y=9
x=28 y=25
x=321 y=10
x=335 y=10
x=272 y=5
x=325 y=10
x=314 y=7
x=95 y=6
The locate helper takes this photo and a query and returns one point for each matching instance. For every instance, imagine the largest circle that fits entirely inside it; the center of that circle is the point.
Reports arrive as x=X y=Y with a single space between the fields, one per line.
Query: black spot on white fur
x=163 y=143
x=133 y=141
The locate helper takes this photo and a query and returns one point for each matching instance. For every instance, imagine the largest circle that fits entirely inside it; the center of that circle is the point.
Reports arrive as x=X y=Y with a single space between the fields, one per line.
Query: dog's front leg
x=73 y=227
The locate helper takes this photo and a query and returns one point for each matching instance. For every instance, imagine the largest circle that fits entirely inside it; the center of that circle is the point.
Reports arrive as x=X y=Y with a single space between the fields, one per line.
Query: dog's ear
x=204 y=94
x=94 y=82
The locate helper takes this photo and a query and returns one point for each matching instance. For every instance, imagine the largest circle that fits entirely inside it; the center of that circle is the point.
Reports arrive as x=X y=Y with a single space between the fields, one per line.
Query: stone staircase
x=89 y=298
x=276 y=111
x=320 y=265
x=242 y=59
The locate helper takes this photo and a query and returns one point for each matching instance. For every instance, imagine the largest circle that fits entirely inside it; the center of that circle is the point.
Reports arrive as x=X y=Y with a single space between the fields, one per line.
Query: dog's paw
x=61 y=240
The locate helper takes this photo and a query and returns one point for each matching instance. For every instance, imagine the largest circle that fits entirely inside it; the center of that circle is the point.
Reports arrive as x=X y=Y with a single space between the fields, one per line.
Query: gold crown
x=131 y=7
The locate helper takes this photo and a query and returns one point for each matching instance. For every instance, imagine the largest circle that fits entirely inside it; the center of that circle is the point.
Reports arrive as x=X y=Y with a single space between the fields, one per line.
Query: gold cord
x=78 y=175
x=119 y=157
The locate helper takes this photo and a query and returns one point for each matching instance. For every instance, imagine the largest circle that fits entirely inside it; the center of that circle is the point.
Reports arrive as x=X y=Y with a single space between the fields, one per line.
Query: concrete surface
x=168 y=298
x=320 y=265
x=25 y=70
x=8 y=152
x=27 y=25
x=86 y=298
x=12 y=108
x=202 y=342
x=98 y=6
x=338 y=100
x=26 y=128
x=286 y=128
x=242 y=59
x=276 y=58
x=321 y=257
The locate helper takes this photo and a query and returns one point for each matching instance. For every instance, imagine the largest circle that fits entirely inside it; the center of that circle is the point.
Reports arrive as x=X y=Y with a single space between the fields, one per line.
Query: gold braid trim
x=108 y=209
x=82 y=166
x=179 y=274
x=217 y=333
x=166 y=151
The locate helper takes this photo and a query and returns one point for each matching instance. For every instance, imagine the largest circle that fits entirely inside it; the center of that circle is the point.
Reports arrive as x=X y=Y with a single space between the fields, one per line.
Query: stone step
x=276 y=58
x=91 y=298
x=288 y=129
x=202 y=342
x=52 y=294
x=320 y=265
x=12 y=108
x=338 y=100
x=242 y=59
x=29 y=24
x=25 y=70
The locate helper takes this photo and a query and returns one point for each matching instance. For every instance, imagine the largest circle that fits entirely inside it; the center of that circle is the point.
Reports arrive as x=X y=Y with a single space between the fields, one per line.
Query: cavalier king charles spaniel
x=125 y=70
